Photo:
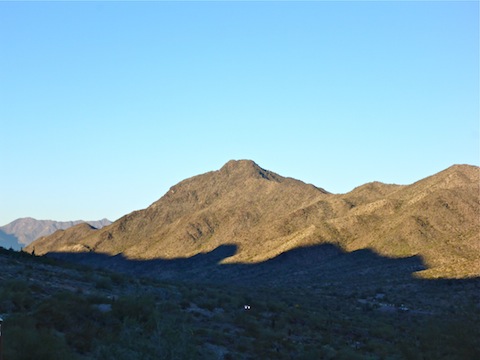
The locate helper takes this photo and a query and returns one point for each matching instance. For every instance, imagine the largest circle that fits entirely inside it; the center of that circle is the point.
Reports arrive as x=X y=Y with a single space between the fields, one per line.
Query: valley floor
x=56 y=310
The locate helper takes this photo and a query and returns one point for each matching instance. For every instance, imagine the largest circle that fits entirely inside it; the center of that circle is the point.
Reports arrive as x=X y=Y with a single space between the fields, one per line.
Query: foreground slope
x=57 y=310
x=265 y=214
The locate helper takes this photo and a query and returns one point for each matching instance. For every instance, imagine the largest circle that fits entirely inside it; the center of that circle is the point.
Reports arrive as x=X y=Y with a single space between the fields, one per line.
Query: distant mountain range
x=21 y=232
x=264 y=215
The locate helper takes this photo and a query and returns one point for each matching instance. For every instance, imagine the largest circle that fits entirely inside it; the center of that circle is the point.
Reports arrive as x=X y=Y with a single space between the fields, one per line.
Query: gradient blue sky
x=104 y=106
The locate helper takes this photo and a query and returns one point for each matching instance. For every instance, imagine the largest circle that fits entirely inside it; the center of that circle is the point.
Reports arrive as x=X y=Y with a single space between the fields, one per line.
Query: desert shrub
x=327 y=352
x=118 y=279
x=138 y=308
x=103 y=283
x=184 y=304
x=88 y=275
x=208 y=304
x=450 y=339
x=169 y=307
x=347 y=353
x=23 y=340
x=169 y=339
x=15 y=295
x=242 y=345
x=311 y=353
x=463 y=339
x=72 y=315
x=377 y=347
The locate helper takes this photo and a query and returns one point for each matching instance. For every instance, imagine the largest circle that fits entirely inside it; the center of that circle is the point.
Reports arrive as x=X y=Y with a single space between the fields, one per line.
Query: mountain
x=264 y=215
x=23 y=231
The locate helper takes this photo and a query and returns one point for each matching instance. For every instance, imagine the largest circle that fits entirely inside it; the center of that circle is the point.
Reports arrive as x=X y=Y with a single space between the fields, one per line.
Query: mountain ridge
x=265 y=214
x=23 y=231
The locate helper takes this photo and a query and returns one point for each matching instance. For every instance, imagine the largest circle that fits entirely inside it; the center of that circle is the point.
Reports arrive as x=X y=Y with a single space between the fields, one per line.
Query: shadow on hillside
x=324 y=263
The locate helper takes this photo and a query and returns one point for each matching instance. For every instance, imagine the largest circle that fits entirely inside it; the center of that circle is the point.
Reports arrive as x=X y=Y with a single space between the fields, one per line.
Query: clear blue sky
x=104 y=106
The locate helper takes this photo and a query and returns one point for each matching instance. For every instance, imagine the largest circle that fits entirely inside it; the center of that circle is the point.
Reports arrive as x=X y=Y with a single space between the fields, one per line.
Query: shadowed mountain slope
x=303 y=266
x=264 y=215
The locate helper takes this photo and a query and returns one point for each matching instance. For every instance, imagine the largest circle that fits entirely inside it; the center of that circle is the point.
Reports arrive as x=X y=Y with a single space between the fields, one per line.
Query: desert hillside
x=264 y=215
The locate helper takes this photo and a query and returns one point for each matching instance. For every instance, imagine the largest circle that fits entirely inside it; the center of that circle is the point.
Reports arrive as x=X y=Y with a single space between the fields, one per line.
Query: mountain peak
x=238 y=165
x=248 y=168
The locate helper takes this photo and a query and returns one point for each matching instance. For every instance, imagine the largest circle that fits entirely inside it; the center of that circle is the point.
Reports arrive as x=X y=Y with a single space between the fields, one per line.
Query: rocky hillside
x=264 y=215
x=67 y=241
x=23 y=231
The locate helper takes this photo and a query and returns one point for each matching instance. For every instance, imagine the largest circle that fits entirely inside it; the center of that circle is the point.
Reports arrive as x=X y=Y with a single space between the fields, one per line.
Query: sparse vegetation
x=59 y=312
x=265 y=215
